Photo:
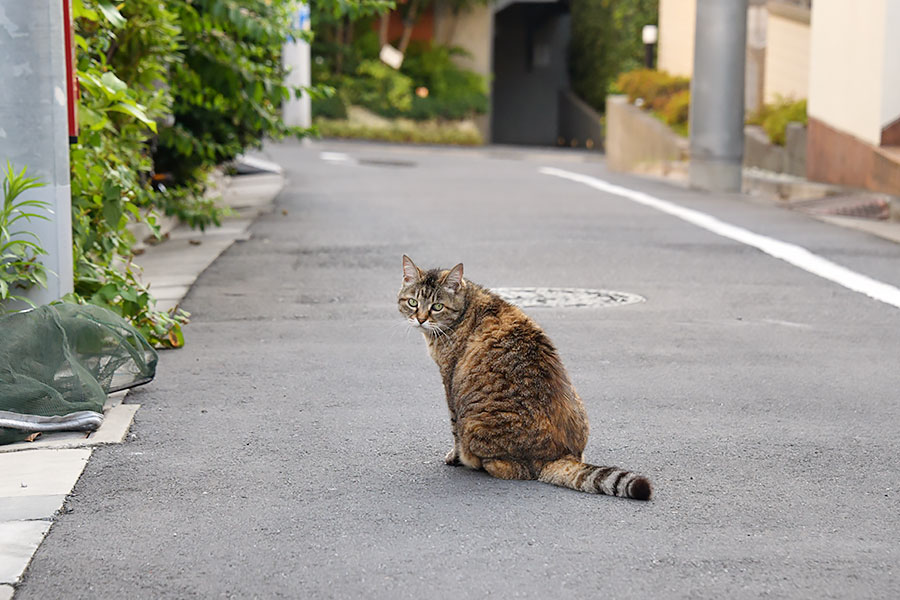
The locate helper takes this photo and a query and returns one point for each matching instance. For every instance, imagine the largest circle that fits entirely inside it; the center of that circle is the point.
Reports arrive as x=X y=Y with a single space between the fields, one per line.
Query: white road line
x=790 y=253
x=338 y=157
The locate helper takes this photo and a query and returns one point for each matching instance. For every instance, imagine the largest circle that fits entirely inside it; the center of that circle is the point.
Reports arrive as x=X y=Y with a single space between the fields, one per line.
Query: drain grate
x=864 y=206
x=527 y=297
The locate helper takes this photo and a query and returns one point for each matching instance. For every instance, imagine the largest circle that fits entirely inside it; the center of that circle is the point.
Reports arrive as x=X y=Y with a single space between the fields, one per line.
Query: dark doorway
x=530 y=44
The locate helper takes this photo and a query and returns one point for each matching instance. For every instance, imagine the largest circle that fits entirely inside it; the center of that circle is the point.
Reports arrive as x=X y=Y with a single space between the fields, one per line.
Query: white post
x=34 y=126
x=297 y=111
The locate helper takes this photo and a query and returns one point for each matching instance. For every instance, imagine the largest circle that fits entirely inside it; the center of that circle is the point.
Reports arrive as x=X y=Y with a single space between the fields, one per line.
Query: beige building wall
x=787 y=53
x=676 y=36
x=470 y=29
x=473 y=30
x=849 y=66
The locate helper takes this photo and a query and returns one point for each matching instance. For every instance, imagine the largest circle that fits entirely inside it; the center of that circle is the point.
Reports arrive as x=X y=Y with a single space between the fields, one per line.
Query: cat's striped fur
x=513 y=411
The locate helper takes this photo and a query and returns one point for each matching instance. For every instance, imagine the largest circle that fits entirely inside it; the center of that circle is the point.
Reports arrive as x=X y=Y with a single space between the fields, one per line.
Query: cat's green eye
x=413 y=302
x=437 y=307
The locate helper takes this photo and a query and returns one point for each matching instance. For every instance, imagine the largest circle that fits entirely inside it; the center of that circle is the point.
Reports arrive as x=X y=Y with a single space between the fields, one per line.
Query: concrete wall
x=848 y=66
x=579 y=125
x=637 y=141
x=787 y=52
x=676 y=36
x=761 y=153
x=890 y=107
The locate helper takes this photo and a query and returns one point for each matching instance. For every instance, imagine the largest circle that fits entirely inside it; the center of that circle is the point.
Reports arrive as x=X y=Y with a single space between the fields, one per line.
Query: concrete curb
x=38 y=476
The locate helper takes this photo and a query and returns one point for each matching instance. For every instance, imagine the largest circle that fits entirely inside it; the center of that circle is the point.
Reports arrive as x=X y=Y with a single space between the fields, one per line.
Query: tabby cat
x=513 y=411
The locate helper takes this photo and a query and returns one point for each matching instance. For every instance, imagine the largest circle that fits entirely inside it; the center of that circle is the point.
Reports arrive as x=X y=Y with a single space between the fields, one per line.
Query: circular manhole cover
x=565 y=297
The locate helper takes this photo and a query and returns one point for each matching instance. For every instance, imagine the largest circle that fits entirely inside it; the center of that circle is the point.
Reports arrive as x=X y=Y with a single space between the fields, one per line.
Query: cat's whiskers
x=440 y=333
x=406 y=325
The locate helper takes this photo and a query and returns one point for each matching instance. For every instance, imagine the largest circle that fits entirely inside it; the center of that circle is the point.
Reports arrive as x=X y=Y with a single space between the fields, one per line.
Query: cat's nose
x=421 y=318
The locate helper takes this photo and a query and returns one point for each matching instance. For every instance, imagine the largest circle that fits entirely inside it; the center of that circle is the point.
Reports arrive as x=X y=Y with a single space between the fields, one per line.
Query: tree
x=606 y=41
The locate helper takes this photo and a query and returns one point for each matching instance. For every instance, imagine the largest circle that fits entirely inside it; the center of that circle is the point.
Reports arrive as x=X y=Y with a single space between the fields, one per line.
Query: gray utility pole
x=717 y=95
x=34 y=125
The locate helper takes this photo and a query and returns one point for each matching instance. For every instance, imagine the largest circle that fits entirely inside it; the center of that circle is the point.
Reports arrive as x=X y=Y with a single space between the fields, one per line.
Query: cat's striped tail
x=572 y=473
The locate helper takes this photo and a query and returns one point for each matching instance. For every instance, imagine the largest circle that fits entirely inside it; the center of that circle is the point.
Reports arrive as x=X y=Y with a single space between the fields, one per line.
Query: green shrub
x=668 y=97
x=606 y=41
x=111 y=166
x=653 y=87
x=676 y=111
x=775 y=117
x=453 y=92
x=229 y=85
x=331 y=107
x=429 y=132
x=345 y=56
x=207 y=76
x=380 y=88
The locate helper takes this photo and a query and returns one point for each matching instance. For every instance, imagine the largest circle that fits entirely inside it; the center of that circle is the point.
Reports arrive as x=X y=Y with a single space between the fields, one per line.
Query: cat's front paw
x=452 y=458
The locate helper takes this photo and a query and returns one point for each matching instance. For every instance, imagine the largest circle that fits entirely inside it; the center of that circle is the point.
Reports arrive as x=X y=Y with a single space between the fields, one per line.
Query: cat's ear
x=453 y=280
x=410 y=271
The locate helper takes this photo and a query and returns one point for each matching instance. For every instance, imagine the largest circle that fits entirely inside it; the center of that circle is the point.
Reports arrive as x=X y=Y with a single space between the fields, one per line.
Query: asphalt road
x=294 y=447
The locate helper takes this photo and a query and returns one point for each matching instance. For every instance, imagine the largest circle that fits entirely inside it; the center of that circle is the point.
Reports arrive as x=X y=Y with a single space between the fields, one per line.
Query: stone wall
x=759 y=152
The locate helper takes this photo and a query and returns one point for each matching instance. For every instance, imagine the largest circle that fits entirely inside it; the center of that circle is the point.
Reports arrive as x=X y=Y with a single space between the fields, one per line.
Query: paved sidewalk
x=38 y=476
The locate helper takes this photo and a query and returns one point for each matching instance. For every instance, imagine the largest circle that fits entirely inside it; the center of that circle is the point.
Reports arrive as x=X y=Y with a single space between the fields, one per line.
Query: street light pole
x=717 y=95
x=34 y=129
x=649 y=35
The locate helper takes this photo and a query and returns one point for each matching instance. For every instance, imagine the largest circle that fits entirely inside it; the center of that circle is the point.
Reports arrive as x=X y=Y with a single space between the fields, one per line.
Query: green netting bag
x=58 y=364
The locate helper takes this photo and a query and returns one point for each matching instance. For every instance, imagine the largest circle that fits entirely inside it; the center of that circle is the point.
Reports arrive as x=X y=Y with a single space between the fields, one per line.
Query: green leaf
x=88 y=118
x=80 y=12
x=128 y=294
x=107 y=292
x=114 y=86
x=112 y=14
x=112 y=213
x=135 y=111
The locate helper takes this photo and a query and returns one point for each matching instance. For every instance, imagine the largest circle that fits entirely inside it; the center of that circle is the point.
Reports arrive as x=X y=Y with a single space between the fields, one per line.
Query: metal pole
x=298 y=111
x=34 y=126
x=648 y=55
x=717 y=95
x=649 y=35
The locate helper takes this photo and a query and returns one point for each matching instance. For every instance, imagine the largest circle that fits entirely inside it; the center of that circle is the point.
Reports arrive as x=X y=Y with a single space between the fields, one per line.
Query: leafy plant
x=111 y=165
x=447 y=90
x=170 y=89
x=229 y=86
x=606 y=41
x=667 y=96
x=676 y=110
x=381 y=89
x=452 y=92
x=121 y=292
x=774 y=117
x=20 y=249
x=332 y=107
x=653 y=87
x=402 y=130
